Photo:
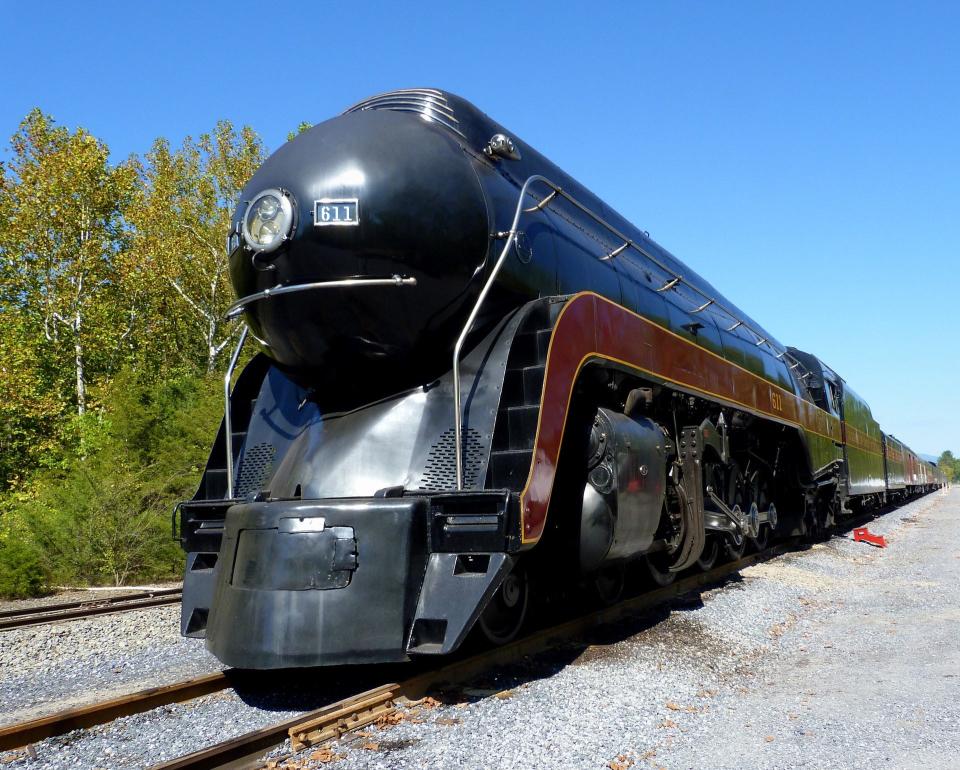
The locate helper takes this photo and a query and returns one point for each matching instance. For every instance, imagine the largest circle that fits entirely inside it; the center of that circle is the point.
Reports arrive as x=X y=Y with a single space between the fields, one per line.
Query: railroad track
x=347 y=713
x=24 y=733
x=52 y=613
x=350 y=713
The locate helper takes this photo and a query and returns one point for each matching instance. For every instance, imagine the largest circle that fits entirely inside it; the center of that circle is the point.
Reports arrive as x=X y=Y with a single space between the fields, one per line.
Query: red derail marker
x=862 y=534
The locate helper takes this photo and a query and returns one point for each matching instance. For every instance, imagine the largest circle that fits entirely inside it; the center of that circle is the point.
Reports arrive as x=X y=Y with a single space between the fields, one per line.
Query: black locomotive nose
x=373 y=194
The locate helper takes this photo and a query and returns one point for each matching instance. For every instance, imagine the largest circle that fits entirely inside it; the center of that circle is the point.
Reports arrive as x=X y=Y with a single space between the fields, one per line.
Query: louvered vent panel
x=440 y=473
x=426 y=102
x=255 y=469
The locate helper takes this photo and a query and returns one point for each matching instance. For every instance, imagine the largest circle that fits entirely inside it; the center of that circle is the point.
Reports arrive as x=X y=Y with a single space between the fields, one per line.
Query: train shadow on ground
x=312 y=688
x=306 y=689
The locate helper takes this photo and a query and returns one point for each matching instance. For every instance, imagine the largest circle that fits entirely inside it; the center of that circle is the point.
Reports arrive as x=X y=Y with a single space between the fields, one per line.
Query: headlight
x=268 y=220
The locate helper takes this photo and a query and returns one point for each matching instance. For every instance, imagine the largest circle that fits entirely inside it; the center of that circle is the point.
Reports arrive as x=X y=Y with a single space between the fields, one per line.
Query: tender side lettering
x=776 y=400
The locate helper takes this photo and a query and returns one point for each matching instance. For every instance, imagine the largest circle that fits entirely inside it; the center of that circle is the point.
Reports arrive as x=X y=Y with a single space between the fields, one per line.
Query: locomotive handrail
x=557 y=191
x=227 y=417
x=241 y=304
x=511 y=237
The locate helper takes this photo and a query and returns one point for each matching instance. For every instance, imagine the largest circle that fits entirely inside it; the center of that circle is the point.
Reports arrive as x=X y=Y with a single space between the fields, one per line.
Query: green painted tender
x=863 y=446
x=894 y=452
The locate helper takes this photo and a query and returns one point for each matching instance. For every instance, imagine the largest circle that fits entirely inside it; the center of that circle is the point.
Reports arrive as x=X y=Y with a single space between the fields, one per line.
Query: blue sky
x=804 y=157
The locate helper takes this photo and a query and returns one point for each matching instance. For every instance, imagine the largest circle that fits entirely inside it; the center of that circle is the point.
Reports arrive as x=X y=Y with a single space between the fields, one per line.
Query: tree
x=181 y=217
x=303 y=126
x=29 y=409
x=949 y=465
x=105 y=516
x=104 y=271
x=63 y=228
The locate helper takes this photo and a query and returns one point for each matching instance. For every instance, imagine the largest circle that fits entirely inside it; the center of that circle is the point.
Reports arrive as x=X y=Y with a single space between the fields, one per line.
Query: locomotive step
x=524 y=351
x=238 y=438
x=509 y=468
x=516 y=428
x=522 y=426
x=543 y=343
x=522 y=386
x=512 y=389
x=532 y=384
x=201 y=524
x=530 y=348
x=215 y=483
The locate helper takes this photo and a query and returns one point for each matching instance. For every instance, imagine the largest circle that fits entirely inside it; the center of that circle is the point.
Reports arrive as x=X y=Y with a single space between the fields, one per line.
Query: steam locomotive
x=474 y=378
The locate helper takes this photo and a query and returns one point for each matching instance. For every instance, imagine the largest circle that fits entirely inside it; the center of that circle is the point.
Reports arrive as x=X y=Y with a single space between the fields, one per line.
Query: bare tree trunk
x=211 y=345
x=79 y=364
x=78 y=361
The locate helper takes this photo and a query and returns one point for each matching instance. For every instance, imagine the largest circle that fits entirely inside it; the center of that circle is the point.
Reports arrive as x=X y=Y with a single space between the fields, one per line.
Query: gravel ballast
x=49 y=667
x=843 y=655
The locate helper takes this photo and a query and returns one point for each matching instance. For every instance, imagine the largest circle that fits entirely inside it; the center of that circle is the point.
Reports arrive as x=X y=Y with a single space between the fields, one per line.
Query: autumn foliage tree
x=64 y=202
x=61 y=307
x=180 y=218
x=113 y=291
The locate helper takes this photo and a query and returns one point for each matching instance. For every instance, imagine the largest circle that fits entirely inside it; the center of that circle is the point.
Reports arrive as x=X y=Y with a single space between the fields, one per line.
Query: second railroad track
x=52 y=613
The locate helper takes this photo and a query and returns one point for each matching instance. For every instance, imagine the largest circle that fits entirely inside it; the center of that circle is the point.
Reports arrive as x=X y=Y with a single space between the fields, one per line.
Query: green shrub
x=100 y=522
x=102 y=514
x=21 y=569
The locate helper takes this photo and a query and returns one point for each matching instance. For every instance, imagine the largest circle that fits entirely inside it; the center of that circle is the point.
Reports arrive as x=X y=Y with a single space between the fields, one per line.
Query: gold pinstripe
x=830 y=419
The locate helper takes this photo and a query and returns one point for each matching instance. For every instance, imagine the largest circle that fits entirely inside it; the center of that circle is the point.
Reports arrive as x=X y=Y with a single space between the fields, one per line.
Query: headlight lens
x=268 y=207
x=268 y=220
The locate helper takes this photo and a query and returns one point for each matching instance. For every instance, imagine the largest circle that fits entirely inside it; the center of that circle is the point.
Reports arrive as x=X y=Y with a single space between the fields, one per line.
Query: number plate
x=336 y=211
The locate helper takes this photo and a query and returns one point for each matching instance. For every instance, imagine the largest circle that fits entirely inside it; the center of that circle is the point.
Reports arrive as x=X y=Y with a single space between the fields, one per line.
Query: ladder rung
x=670 y=284
x=616 y=252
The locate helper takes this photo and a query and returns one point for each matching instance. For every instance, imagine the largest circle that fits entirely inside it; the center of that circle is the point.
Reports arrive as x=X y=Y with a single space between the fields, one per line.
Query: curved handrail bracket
x=616 y=252
x=275 y=291
x=542 y=204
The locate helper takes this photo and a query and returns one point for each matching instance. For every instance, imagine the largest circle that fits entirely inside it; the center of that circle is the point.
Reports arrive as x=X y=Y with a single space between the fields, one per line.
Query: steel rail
x=20 y=618
x=244 y=750
x=37 y=608
x=21 y=734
